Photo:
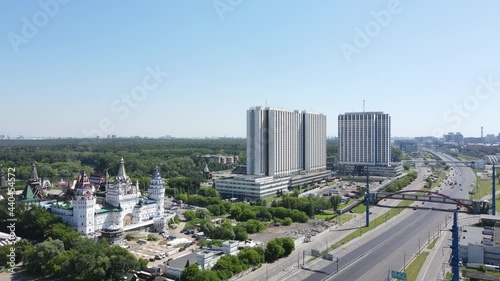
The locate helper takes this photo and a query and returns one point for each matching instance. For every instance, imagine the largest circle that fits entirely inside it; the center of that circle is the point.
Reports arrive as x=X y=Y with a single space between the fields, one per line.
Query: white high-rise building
x=314 y=142
x=283 y=143
x=285 y=150
x=365 y=139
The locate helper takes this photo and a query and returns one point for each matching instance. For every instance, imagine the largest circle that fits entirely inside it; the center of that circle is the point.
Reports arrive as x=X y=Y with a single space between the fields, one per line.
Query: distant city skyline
x=81 y=69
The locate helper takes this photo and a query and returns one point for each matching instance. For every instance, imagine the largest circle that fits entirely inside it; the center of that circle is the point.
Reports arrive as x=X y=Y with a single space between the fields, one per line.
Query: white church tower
x=84 y=203
x=156 y=191
x=121 y=192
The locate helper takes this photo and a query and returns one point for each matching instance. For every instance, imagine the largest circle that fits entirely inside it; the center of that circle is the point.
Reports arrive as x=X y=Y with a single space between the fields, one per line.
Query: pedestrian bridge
x=477 y=207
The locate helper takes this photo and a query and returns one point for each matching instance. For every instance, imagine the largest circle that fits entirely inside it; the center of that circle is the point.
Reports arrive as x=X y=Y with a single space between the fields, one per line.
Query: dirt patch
x=311 y=228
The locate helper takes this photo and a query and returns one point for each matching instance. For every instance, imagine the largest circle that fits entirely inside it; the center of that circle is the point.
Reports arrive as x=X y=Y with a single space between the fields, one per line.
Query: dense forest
x=57 y=159
x=180 y=160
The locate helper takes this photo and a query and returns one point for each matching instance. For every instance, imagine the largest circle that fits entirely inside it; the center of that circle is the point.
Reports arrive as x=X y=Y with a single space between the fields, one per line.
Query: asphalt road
x=388 y=250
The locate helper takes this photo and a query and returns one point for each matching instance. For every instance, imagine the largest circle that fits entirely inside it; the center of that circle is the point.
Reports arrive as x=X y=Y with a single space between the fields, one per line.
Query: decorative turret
x=33 y=175
x=33 y=189
x=122 y=175
x=206 y=172
x=156 y=174
x=84 y=186
x=156 y=191
x=122 y=189
x=84 y=203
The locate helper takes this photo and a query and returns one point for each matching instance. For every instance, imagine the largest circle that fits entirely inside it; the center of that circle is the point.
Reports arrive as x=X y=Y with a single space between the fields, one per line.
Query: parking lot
x=344 y=189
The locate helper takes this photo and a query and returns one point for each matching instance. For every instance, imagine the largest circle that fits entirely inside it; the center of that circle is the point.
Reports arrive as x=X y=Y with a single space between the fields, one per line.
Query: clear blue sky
x=67 y=77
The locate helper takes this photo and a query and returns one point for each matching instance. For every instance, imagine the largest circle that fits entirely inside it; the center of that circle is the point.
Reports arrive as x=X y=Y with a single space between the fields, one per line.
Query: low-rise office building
x=205 y=259
x=480 y=245
x=249 y=187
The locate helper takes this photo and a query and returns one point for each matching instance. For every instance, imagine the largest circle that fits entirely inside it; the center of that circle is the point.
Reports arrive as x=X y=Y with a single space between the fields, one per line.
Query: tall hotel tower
x=365 y=139
x=283 y=143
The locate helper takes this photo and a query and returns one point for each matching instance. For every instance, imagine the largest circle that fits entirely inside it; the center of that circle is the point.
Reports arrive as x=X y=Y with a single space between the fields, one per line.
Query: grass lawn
x=343 y=205
x=483 y=189
x=440 y=179
x=487 y=272
x=414 y=268
x=345 y=218
x=432 y=244
x=360 y=209
x=334 y=217
x=324 y=216
x=497 y=201
x=270 y=199
x=466 y=158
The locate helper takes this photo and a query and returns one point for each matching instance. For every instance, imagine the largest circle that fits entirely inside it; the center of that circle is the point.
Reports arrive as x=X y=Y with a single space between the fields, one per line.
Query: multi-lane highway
x=286 y=267
x=389 y=248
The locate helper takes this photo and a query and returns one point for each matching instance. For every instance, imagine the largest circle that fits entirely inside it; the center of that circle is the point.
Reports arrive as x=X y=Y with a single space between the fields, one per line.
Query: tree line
x=251 y=218
x=53 y=249
x=229 y=266
x=57 y=159
x=400 y=183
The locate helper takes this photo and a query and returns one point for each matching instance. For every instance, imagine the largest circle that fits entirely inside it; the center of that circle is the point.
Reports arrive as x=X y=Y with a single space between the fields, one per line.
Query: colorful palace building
x=122 y=209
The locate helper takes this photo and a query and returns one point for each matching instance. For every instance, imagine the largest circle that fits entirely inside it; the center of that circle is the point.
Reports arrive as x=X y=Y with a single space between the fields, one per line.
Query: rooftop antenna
x=363 y=106
x=266 y=102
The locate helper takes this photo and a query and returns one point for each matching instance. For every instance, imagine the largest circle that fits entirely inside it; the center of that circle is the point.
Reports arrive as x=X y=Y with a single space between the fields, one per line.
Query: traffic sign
x=399 y=275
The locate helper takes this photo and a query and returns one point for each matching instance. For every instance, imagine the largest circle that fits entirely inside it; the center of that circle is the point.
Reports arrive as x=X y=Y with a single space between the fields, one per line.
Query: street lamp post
x=298 y=259
x=267 y=271
x=404 y=261
x=419 y=245
x=493 y=201
x=367 y=197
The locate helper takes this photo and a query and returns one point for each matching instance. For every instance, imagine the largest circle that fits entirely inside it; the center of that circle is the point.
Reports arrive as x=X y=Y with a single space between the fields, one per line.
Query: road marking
x=355 y=260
